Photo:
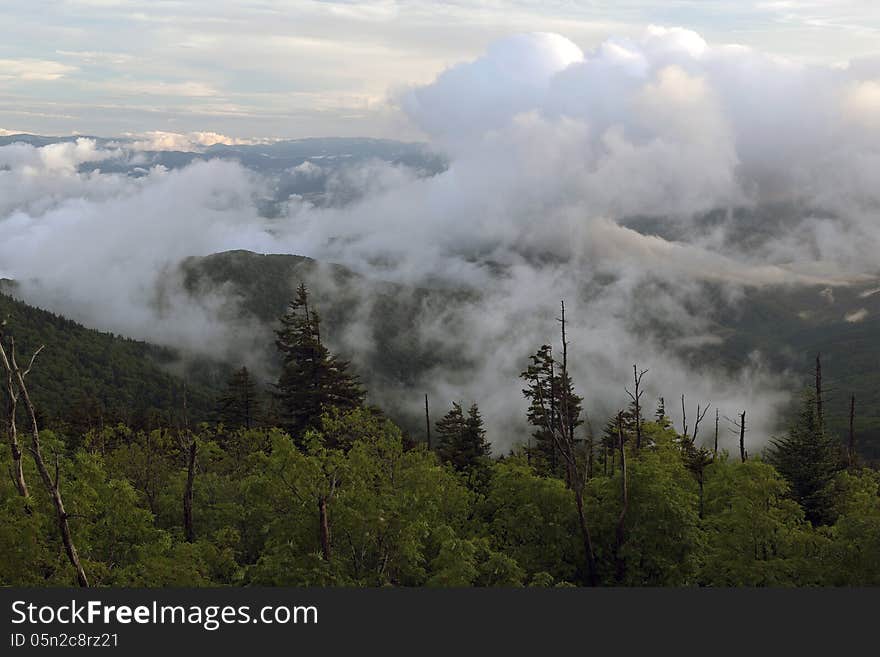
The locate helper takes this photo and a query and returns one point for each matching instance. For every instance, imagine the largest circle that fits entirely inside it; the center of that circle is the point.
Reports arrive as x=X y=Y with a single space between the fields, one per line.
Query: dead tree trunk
x=52 y=484
x=427 y=423
x=17 y=473
x=188 y=529
x=742 y=437
x=715 y=450
x=591 y=446
x=564 y=442
x=620 y=562
x=684 y=423
x=592 y=575
x=324 y=523
x=851 y=448
x=701 y=413
x=820 y=418
x=324 y=517
x=636 y=397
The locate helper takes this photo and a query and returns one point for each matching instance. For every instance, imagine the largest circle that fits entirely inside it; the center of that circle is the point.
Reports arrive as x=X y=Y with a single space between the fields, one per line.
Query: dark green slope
x=85 y=377
x=387 y=312
x=791 y=326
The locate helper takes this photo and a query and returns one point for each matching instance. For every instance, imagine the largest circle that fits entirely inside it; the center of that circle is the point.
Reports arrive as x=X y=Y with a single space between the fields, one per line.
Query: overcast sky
x=296 y=68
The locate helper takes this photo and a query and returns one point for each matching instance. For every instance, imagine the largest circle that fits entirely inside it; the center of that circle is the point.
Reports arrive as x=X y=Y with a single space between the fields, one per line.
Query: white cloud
x=95 y=57
x=33 y=70
x=186 y=89
x=190 y=142
x=862 y=103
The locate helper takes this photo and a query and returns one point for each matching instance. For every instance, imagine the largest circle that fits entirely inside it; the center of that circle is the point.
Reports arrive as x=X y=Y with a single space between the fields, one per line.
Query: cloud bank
x=627 y=180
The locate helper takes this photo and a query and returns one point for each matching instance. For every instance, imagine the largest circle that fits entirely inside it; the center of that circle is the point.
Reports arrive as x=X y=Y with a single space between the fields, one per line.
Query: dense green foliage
x=399 y=516
x=809 y=458
x=342 y=497
x=86 y=378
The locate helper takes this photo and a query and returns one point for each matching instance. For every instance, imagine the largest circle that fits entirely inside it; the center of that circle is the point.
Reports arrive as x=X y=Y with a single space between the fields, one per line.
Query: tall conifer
x=312 y=379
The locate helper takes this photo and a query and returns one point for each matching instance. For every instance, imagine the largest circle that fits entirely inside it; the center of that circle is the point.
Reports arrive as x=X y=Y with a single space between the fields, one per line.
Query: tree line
x=308 y=485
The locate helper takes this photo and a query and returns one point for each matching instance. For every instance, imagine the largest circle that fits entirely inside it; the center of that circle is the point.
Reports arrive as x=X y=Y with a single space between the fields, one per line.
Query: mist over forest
x=707 y=212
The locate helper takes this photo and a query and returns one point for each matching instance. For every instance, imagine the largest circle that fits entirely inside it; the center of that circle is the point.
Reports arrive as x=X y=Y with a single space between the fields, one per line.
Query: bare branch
x=700 y=416
x=33 y=358
x=57 y=470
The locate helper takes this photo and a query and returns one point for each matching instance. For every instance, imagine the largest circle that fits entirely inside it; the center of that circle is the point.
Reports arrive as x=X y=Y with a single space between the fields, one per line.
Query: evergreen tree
x=660 y=416
x=553 y=403
x=312 y=379
x=808 y=458
x=240 y=405
x=462 y=439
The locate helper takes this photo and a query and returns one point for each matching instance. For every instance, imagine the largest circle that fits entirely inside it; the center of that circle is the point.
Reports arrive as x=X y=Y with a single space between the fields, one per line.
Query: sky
x=299 y=68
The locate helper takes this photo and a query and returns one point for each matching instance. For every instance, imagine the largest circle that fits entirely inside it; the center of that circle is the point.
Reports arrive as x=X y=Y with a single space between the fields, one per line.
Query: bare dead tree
x=715 y=450
x=591 y=444
x=16 y=471
x=740 y=427
x=700 y=415
x=620 y=562
x=636 y=396
x=189 y=447
x=851 y=447
x=565 y=443
x=189 y=530
x=52 y=484
x=820 y=418
x=684 y=423
x=427 y=423
x=324 y=520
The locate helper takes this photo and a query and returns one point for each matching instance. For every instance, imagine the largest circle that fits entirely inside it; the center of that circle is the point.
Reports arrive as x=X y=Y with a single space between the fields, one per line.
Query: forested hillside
x=85 y=378
x=388 y=313
x=790 y=326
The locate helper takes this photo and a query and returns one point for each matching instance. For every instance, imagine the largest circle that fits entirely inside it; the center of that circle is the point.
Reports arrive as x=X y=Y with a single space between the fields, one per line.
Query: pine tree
x=660 y=416
x=312 y=380
x=462 y=439
x=553 y=403
x=809 y=459
x=240 y=405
